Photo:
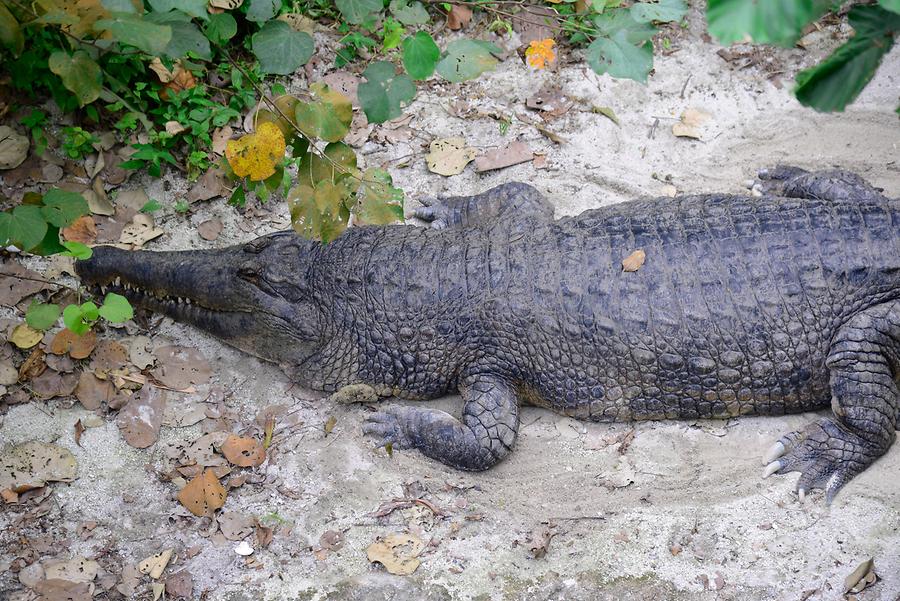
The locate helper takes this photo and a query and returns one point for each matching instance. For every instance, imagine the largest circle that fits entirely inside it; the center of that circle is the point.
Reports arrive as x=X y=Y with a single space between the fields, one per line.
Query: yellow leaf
x=256 y=155
x=24 y=336
x=540 y=53
x=634 y=261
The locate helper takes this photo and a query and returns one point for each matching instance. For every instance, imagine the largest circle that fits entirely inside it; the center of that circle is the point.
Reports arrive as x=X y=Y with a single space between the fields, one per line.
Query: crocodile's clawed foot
x=435 y=211
x=771 y=181
x=826 y=455
x=387 y=426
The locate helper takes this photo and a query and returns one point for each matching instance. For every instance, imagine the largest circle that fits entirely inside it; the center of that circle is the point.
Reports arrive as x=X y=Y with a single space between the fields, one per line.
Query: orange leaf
x=256 y=155
x=82 y=230
x=203 y=495
x=540 y=53
x=78 y=347
x=634 y=261
x=243 y=452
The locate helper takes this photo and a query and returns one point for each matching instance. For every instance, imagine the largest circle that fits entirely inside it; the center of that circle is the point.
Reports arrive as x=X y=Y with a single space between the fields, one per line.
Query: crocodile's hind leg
x=828 y=184
x=485 y=435
x=863 y=362
x=508 y=201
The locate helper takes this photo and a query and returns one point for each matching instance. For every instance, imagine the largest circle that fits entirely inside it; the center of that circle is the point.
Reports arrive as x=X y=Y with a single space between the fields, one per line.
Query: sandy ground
x=682 y=514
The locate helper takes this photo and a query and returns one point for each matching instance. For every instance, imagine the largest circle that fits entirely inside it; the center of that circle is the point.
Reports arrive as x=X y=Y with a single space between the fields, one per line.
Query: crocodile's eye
x=249 y=272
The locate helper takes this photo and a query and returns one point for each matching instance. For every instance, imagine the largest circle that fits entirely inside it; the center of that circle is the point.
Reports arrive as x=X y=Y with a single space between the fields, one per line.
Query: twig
x=40 y=280
x=684 y=87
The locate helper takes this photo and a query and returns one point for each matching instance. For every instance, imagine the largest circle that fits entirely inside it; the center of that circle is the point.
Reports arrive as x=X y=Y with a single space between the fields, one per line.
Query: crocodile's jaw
x=216 y=291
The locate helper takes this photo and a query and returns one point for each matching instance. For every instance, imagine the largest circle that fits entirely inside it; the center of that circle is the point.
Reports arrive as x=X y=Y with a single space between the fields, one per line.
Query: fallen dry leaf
x=98 y=201
x=203 y=450
x=133 y=200
x=33 y=464
x=634 y=261
x=108 y=355
x=861 y=578
x=347 y=84
x=77 y=347
x=13 y=148
x=513 y=154
x=449 y=156
x=535 y=23
x=139 y=421
x=17 y=283
x=539 y=541
x=9 y=375
x=24 y=336
x=32 y=367
x=173 y=128
x=140 y=230
x=398 y=553
x=459 y=16
x=92 y=392
x=180 y=585
x=79 y=430
x=220 y=138
x=51 y=384
x=63 y=590
x=203 y=494
x=210 y=229
x=155 y=564
x=243 y=451
x=77 y=569
x=690 y=123
x=210 y=185
x=179 y=367
x=140 y=351
x=82 y=230
x=236 y=526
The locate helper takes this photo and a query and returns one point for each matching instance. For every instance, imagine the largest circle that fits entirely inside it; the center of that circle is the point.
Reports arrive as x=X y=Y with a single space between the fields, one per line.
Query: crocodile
x=782 y=301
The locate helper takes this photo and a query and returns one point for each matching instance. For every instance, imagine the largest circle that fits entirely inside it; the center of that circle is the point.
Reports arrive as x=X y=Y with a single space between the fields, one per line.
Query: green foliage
x=764 y=21
x=79 y=73
x=133 y=30
x=116 y=308
x=76 y=250
x=148 y=157
x=420 y=55
x=80 y=318
x=77 y=142
x=41 y=316
x=467 y=59
x=384 y=91
x=327 y=117
x=220 y=28
x=34 y=225
x=280 y=49
x=35 y=122
x=837 y=81
x=409 y=13
x=357 y=11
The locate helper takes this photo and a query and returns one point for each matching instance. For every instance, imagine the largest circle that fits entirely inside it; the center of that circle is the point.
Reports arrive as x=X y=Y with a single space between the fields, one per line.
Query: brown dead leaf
x=140 y=351
x=32 y=367
x=634 y=261
x=203 y=495
x=109 y=355
x=346 y=83
x=98 y=201
x=539 y=540
x=155 y=564
x=77 y=347
x=9 y=375
x=182 y=79
x=264 y=536
x=550 y=100
x=243 y=451
x=82 y=230
x=534 y=23
x=51 y=384
x=139 y=421
x=55 y=589
x=12 y=288
x=132 y=200
x=77 y=569
x=91 y=391
x=140 y=230
x=449 y=156
x=332 y=540
x=33 y=464
x=179 y=367
x=690 y=124
x=210 y=185
x=398 y=553
x=500 y=158
x=236 y=526
x=861 y=578
x=220 y=138
x=210 y=229
x=24 y=336
x=180 y=585
x=203 y=451
x=459 y=16
x=79 y=430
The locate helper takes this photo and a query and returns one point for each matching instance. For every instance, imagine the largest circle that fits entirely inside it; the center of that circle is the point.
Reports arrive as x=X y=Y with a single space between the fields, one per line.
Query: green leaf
x=320 y=213
x=280 y=49
x=186 y=37
x=379 y=203
x=663 y=11
x=260 y=11
x=49 y=244
x=138 y=32
x=383 y=92
x=195 y=8
x=314 y=169
x=610 y=23
x=466 y=59
x=392 y=32
x=79 y=73
x=763 y=21
x=116 y=308
x=891 y=5
x=10 y=32
x=120 y=6
x=24 y=227
x=74 y=318
x=837 y=81
x=151 y=206
x=409 y=13
x=356 y=11
x=620 y=58
x=420 y=55
x=61 y=208
x=221 y=28
x=327 y=117
x=80 y=251
x=41 y=316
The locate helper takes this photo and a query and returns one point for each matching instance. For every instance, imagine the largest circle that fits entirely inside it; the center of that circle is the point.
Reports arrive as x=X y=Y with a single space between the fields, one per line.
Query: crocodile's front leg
x=827 y=184
x=514 y=200
x=485 y=435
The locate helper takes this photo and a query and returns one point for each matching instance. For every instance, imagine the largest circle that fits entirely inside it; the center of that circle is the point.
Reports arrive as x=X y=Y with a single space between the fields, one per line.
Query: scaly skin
x=745 y=306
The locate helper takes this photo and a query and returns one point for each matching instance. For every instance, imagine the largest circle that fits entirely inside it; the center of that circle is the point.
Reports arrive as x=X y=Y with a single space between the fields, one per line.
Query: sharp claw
x=801 y=494
x=772 y=468
x=776 y=451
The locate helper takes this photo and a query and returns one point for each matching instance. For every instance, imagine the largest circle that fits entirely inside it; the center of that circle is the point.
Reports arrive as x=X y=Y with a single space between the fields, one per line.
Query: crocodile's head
x=253 y=296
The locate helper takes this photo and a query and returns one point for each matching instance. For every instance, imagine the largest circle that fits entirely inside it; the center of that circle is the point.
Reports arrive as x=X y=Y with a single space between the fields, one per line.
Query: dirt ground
x=678 y=510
